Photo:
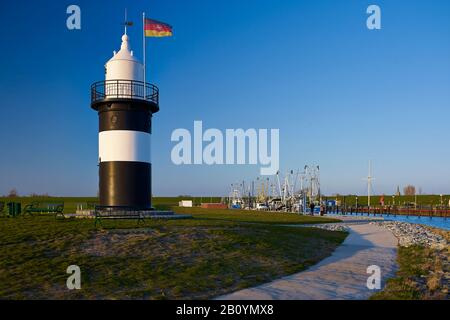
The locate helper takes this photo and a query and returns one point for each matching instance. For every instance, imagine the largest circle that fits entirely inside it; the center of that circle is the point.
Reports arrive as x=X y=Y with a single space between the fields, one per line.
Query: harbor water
x=436 y=222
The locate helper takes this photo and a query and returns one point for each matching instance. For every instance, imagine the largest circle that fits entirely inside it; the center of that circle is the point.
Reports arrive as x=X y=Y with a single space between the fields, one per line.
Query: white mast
x=279 y=185
x=369 y=183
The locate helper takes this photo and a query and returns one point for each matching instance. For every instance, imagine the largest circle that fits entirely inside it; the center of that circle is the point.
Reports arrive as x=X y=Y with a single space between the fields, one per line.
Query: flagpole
x=144 y=45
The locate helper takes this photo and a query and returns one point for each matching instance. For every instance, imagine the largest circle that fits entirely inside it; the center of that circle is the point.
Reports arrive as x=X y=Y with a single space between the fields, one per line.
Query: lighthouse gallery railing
x=130 y=89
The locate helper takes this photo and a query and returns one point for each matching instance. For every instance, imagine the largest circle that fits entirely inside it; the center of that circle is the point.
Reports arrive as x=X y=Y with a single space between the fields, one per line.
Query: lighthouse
x=125 y=105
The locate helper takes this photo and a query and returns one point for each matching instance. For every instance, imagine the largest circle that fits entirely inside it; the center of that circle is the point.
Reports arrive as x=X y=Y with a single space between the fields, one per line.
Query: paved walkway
x=340 y=276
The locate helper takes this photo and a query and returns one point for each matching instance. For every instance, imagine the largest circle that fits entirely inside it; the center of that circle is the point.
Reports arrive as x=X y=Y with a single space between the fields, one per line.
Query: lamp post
x=415 y=200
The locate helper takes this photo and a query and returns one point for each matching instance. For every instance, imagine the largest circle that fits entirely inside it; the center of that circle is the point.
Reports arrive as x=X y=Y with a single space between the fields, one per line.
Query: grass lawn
x=423 y=274
x=419 y=278
x=213 y=254
x=252 y=216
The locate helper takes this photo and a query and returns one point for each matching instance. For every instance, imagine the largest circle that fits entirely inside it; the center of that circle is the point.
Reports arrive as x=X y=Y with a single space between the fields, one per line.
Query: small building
x=185 y=203
x=214 y=206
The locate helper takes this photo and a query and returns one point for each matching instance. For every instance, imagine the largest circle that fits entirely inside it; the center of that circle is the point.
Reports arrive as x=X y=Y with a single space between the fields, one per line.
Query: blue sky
x=339 y=93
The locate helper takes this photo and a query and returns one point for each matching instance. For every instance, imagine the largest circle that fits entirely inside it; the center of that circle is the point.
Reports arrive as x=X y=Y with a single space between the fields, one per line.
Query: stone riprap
x=410 y=234
x=330 y=226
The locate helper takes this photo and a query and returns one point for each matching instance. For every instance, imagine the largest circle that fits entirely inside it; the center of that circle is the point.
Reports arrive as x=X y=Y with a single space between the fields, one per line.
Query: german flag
x=154 y=28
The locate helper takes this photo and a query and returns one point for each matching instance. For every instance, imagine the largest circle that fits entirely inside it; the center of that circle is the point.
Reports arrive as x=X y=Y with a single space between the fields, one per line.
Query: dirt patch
x=142 y=242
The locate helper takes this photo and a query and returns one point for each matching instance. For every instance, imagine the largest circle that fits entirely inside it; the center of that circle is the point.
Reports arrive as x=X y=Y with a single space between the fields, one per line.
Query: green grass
x=249 y=216
x=212 y=254
x=420 y=277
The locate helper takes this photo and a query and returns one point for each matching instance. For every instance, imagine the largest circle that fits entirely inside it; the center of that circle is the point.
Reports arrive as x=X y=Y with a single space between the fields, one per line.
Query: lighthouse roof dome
x=123 y=65
x=124 y=53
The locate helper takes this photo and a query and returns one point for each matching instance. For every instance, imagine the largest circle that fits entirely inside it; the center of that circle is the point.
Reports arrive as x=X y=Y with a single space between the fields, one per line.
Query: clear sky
x=339 y=93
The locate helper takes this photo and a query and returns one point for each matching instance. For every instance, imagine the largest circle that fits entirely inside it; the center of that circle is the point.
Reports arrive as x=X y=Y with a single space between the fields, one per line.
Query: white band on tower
x=124 y=145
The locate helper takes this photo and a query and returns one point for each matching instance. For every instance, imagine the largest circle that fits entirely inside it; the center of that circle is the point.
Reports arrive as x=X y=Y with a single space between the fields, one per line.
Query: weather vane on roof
x=126 y=22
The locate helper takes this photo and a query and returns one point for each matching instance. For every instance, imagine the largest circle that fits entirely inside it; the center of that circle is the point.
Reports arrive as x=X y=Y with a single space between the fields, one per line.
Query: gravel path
x=372 y=241
x=343 y=275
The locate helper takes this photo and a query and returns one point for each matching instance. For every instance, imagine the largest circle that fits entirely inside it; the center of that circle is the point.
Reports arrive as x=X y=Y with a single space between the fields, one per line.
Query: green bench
x=14 y=209
x=38 y=207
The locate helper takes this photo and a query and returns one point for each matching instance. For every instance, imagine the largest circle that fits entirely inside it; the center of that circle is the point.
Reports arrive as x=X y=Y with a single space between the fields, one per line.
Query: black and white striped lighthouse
x=125 y=105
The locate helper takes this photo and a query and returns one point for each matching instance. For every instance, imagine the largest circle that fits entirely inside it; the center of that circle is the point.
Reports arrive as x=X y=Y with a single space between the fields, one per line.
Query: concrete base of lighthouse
x=145 y=214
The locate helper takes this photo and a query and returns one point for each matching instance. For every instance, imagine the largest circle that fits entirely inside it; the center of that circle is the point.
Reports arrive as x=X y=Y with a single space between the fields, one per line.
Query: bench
x=91 y=205
x=117 y=213
x=38 y=207
x=14 y=209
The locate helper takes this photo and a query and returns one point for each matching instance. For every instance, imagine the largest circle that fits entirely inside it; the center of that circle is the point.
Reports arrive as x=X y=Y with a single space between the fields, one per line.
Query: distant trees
x=409 y=190
x=13 y=193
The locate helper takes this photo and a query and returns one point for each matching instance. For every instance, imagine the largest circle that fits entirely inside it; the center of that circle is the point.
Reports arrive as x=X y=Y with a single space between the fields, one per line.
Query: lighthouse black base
x=125 y=184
